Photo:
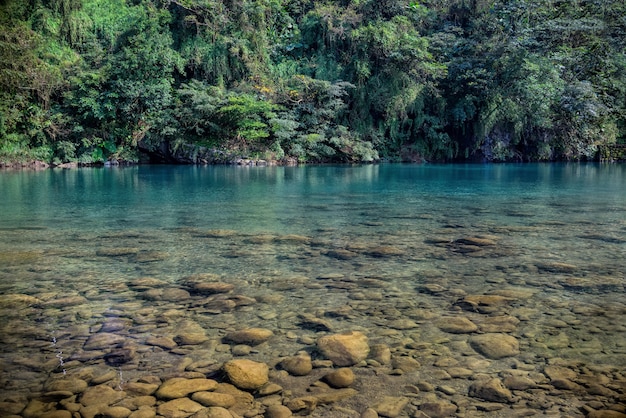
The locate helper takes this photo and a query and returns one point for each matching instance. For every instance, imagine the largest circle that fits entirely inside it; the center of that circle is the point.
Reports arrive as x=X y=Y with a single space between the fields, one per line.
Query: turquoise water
x=356 y=246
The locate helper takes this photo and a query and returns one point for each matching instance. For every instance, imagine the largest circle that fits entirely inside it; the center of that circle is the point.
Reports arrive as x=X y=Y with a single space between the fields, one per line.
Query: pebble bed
x=420 y=316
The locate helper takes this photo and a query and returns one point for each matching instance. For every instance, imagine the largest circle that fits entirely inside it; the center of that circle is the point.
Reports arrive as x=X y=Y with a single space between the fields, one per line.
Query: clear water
x=277 y=230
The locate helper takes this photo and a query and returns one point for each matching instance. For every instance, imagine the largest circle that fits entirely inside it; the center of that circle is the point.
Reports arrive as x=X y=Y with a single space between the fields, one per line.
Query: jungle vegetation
x=314 y=81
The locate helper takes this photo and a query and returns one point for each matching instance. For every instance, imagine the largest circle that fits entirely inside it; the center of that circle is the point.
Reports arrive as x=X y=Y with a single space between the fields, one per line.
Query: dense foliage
x=347 y=80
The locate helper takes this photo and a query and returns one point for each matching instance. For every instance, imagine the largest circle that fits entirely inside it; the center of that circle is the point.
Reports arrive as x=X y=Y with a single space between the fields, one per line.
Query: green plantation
x=89 y=81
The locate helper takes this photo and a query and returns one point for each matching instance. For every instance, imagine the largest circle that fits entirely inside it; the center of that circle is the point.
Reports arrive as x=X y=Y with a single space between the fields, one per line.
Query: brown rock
x=246 y=374
x=341 y=378
x=56 y=414
x=606 y=413
x=250 y=336
x=190 y=333
x=344 y=349
x=390 y=406
x=179 y=408
x=163 y=342
x=491 y=390
x=495 y=346
x=335 y=395
x=179 y=387
x=502 y=323
x=457 y=325
x=101 y=395
x=278 y=411
x=483 y=303
x=143 y=413
x=68 y=384
x=223 y=400
x=103 y=341
x=438 y=409
x=212 y=288
x=299 y=365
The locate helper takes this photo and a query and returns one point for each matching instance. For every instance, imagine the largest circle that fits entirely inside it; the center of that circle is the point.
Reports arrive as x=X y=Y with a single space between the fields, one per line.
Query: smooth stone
x=391 y=406
x=459 y=372
x=438 y=409
x=405 y=363
x=381 y=353
x=105 y=377
x=212 y=288
x=115 y=324
x=503 y=323
x=69 y=384
x=213 y=412
x=270 y=389
x=163 y=342
x=299 y=365
x=344 y=349
x=341 y=378
x=312 y=322
x=12 y=408
x=143 y=413
x=179 y=408
x=56 y=414
x=278 y=411
x=559 y=372
x=139 y=388
x=250 y=336
x=483 y=303
x=402 y=324
x=477 y=241
x=101 y=395
x=65 y=302
x=179 y=387
x=244 y=401
x=495 y=346
x=246 y=374
x=491 y=390
x=17 y=300
x=457 y=325
x=223 y=400
x=335 y=395
x=115 y=412
x=606 y=413
x=103 y=341
x=369 y=413
x=518 y=383
x=385 y=251
x=303 y=405
x=174 y=294
x=241 y=350
x=136 y=402
x=190 y=333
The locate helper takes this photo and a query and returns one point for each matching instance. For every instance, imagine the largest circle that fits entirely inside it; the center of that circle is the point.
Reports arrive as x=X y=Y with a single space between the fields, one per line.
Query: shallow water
x=356 y=247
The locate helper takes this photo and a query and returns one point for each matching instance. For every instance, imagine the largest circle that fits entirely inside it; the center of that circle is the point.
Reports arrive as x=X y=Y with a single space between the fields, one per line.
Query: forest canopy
x=311 y=81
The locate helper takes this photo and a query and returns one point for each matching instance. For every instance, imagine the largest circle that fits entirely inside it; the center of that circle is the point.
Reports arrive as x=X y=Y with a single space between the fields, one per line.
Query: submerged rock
x=180 y=387
x=250 y=336
x=344 y=349
x=495 y=346
x=246 y=374
x=491 y=390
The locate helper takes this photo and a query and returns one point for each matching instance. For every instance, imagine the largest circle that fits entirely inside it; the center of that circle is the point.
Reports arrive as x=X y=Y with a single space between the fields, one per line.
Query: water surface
x=357 y=247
